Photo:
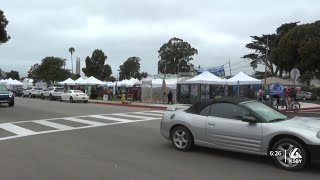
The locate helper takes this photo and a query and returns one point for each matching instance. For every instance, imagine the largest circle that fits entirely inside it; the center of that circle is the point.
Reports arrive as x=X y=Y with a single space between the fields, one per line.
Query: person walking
x=170 y=97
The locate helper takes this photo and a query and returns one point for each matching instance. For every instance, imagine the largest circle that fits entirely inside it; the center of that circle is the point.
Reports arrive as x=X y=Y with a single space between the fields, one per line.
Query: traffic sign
x=295 y=74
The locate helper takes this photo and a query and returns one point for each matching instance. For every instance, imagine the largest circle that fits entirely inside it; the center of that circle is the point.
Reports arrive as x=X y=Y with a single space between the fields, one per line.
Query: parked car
x=32 y=92
x=304 y=95
x=52 y=93
x=246 y=126
x=6 y=96
x=74 y=95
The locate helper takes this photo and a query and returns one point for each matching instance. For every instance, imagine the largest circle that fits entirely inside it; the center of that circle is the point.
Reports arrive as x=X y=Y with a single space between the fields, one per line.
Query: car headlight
x=318 y=135
x=10 y=94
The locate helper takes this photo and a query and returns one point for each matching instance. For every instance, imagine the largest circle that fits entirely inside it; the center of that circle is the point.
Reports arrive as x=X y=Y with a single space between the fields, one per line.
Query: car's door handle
x=211 y=124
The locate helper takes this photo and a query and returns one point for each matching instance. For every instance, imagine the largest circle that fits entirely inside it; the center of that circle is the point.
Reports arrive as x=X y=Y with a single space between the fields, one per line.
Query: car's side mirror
x=249 y=119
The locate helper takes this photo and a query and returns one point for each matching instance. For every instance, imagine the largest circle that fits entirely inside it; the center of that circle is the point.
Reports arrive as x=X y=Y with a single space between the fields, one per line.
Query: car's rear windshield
x=59 y=89
x=77 y=91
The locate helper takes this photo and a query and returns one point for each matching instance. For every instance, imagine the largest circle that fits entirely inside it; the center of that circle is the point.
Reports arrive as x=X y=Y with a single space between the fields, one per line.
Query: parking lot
x=62 y=140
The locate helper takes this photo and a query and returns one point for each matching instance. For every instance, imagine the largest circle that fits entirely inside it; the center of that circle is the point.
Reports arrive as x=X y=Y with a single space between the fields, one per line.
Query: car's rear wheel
x=50 y=97
x=60 y=99
x=42 y=96
x=293 y=157
x=71 y=100
x=182 y=139
x=85 y=101
x=30 y=96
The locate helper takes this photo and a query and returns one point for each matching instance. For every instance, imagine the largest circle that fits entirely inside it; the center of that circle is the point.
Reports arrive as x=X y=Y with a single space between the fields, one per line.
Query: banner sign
x=218 y=71
x=147 y=83
x=276 y=89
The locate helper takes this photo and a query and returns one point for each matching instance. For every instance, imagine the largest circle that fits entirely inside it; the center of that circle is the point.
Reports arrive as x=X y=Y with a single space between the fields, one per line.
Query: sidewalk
x=138 y=104
x=304 y=106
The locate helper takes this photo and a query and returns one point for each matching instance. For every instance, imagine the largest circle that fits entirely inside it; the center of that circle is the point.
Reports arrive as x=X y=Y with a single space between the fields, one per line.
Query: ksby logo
x=294 y=156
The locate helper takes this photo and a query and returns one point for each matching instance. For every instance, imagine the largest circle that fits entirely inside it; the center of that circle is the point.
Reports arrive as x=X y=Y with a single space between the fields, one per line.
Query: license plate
x=83 y=98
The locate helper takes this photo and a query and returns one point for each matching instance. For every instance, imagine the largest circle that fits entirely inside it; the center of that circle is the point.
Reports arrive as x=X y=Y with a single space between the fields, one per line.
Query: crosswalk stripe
x=83 y=121
x=148 y=114
x=158 y=112
x=20 y=131
x=53 y=125
x=110 y=118
x=132 y=116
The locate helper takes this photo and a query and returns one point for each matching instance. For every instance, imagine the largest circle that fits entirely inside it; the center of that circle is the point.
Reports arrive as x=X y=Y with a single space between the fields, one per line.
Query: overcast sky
x=219 y=29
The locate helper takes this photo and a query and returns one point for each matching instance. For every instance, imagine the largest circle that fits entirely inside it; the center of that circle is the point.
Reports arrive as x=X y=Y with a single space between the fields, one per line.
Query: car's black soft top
x=197 y=107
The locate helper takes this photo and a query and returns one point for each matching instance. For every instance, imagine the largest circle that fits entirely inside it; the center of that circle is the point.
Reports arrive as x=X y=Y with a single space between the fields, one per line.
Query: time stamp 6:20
x=276 y=153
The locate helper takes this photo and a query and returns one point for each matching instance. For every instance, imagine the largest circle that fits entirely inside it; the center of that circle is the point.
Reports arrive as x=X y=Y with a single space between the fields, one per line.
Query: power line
x=241 y=67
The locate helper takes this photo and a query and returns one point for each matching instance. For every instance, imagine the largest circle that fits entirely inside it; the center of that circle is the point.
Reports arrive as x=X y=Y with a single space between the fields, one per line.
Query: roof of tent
x=80 y=81
x=132 y=82
x=206 y=78
x=93 y=81
x=243 y=79
x=68 y=81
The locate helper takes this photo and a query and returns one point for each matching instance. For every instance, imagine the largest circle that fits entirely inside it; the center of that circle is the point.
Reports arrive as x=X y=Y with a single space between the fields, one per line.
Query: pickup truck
x=32 y=92
x=52 y=93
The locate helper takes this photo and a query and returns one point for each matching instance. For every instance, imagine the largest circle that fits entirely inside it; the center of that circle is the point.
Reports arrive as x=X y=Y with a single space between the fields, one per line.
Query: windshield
x=77 y=91
x=264 y=111
x=60 y=89
x=2 y=88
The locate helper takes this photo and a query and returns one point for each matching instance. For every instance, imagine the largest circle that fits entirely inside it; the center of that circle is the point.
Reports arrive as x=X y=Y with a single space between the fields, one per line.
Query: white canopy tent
x=243 y=79
x=205 y=78
x=68 y=81
x=80 y=81
x=132 y=82
x=93 y=81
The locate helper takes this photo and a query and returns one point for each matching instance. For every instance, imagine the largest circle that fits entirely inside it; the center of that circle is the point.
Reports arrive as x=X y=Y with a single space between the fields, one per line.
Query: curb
x=303 y=109
x=131 y=105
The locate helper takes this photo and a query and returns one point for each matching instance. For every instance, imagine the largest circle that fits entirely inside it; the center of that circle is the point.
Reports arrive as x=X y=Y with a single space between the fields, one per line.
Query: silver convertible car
x=247 y=126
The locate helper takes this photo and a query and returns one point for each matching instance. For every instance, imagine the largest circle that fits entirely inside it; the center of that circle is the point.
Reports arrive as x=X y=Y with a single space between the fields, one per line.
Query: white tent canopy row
x=81 y=81
x=11 y=82
x=170 y=83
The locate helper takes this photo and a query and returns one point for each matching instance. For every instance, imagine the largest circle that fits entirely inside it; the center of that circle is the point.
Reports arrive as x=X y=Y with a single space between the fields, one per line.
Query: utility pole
x=230 y=68
x=266 y=60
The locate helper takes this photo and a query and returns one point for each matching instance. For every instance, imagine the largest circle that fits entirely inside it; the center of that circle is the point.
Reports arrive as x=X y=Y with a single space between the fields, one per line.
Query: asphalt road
x=125 y=150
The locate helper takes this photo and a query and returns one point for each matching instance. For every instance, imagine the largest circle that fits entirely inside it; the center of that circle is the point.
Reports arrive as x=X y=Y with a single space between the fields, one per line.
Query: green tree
x=299 y=48
x=130 y=68
x=259 y=45
x=51 y=69
x=95 y=66
x=33 y=72
x=111 y=78
x=4 y=37
x=144 y=75
x=71 y=50
x=175 y=56
x=13 y=75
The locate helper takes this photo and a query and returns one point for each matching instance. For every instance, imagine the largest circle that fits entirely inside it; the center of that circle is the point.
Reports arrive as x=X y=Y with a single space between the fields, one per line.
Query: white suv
x=32 y=92
x=52 y=93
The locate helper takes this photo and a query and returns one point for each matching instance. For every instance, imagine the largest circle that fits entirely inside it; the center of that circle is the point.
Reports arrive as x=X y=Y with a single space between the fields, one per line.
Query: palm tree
x=71 y=50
